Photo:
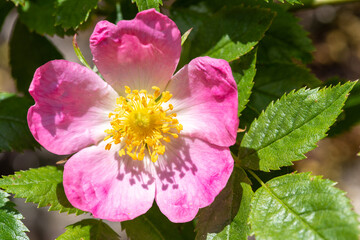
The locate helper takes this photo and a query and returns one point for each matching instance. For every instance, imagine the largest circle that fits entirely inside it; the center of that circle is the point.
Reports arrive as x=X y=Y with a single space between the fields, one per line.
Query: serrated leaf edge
x=306 y=174
x=41 y=202
x=272 y=104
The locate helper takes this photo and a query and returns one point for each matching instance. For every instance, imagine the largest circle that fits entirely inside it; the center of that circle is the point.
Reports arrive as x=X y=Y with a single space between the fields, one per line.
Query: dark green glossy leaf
x=291 y=127
x=72 y=13
x=285 y=40
x=227 y=34
x=39 y=16
x=147 y=4
x=89 y=229
x=14 y=131
x=301 y=206
x=152 y=225
x=42 y=186
x=244 y=71
x=272 y=80
x=11 y=226
x=28 y=51
x=226 y=217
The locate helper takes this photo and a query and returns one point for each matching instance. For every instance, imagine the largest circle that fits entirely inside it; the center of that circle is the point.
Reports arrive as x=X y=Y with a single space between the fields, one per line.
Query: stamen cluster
x=140 y=122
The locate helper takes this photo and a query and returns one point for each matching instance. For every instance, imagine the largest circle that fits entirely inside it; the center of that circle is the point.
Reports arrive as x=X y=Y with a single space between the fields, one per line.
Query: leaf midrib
x=29 y=183
x=154 y=227
x=269 y=190
x=292 y=130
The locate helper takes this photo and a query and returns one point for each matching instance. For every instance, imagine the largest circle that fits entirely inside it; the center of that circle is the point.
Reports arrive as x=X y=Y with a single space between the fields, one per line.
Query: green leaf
x=72 y=13
x=301 y=206
x=185 y=36
x=152 y=225
x=11 y=226
x=226 y=217
x=147 y=4
x=39 y=16
x=14 y=131
x=227 y=34
x=5 y=8
x=89 y=229
x=351 y=114
x=285 y=40
x=272 y=80
x=42 y=186
x=28 y=51
x=244 y=71
x=290 y=128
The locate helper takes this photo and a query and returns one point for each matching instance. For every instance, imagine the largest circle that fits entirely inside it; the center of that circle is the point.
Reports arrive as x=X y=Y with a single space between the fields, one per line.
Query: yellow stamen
x=140 y=122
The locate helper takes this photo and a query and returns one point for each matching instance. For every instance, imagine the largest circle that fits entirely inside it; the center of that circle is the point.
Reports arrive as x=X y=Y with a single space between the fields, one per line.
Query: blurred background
x=335 y=32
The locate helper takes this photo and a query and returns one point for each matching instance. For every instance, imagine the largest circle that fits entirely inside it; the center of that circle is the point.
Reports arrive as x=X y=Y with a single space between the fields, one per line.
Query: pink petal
x=206 y=100
x=71 y=108
x=190 y=175
x=110 y=187
x=139 y=53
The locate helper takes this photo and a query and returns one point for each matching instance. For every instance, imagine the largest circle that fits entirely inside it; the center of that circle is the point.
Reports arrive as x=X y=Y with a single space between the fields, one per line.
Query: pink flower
x=143 y=134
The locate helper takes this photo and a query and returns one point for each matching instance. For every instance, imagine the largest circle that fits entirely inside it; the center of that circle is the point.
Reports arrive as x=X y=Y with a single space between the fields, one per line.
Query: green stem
x=119 y=15
x=256 y=177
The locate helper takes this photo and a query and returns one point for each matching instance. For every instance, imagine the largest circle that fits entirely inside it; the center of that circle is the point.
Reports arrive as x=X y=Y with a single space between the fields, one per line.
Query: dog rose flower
x=143 y=133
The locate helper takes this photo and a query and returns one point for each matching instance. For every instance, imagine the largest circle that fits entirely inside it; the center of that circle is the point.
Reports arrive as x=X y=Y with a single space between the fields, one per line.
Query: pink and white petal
x=190 y=175
x=139 y=53
x=71 y=108
x=205 y=99
x=110 y=187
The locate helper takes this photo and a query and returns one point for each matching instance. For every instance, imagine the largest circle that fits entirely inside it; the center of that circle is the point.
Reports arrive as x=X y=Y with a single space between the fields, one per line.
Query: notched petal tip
x=139 y=53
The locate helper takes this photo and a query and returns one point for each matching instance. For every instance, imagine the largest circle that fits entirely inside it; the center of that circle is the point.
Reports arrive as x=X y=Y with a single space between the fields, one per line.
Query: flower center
x=141 y=123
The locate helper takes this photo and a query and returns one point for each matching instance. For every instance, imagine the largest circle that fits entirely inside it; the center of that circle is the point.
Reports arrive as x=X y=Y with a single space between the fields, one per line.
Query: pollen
x=142 y=125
